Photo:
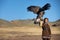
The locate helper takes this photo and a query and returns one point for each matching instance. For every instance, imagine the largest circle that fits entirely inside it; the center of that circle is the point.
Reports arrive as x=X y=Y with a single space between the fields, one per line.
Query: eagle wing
x=46 y=7
x=33 y=9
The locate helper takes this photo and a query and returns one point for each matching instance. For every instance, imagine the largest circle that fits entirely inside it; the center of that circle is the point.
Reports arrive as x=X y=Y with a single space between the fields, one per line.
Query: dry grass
x=25 y=33
x=24 y=30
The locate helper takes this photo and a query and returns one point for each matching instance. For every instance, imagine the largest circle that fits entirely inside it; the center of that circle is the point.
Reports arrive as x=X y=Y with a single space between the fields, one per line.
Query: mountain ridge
x=20 y=23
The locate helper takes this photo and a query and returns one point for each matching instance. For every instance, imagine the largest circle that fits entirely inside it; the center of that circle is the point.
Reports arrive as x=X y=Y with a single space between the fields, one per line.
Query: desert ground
x=25 y=30
x=26 y=33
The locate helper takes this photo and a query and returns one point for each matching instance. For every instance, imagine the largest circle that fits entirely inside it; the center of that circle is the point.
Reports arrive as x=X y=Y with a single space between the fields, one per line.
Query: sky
x=17 y=9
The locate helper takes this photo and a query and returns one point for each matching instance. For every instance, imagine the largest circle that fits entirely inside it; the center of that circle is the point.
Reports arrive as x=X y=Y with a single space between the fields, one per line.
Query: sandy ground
x=27 y=33
x=29 y=37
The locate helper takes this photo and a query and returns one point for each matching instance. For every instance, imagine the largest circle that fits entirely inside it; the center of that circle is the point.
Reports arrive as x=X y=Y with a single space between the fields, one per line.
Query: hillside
x=5 y=23
x=56 y=23
x=18 y=23
x=21 y=23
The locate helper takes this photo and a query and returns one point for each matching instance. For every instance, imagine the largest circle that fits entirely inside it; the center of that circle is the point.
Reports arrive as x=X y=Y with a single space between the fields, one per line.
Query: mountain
x=21 y=23
x=5 y=23
x=17 y=23
x=56 y=23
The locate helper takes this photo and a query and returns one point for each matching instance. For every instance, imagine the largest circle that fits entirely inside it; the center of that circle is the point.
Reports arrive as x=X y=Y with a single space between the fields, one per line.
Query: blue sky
x=17 y=9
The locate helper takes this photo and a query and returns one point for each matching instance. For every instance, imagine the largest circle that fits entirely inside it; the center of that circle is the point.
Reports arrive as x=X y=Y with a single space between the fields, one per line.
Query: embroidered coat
x=46 y=32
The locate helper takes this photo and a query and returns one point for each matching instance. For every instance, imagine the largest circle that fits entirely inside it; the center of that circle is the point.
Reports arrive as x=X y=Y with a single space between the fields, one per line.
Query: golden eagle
x=40 y=11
